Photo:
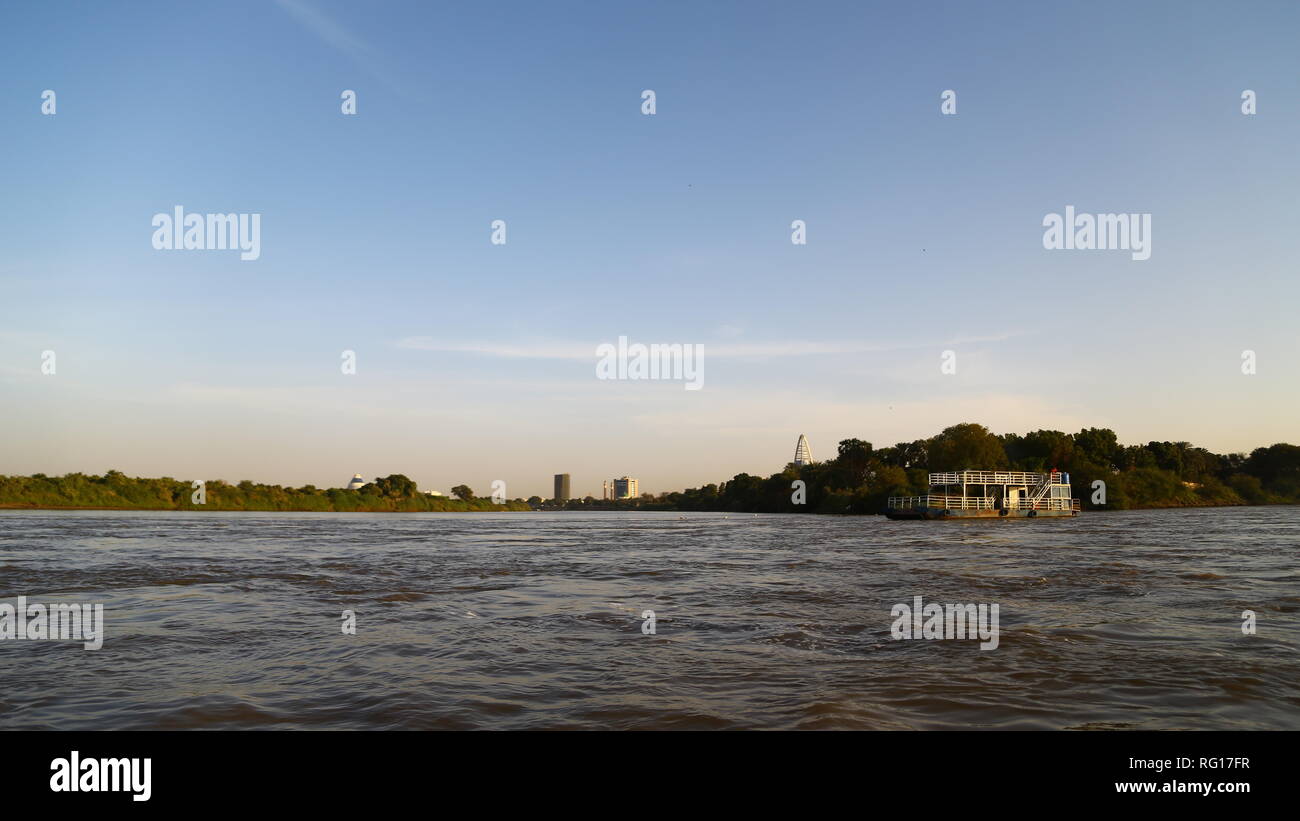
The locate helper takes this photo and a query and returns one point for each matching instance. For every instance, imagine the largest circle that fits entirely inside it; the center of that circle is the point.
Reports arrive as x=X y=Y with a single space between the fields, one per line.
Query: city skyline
x=476 y=361
x=561 y=484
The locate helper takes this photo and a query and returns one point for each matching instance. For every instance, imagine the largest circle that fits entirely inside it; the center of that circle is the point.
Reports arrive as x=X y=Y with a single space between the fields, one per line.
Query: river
x=535 y=621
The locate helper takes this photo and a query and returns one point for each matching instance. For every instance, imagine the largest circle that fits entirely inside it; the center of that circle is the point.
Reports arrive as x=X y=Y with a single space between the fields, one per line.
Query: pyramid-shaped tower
x=802 y=452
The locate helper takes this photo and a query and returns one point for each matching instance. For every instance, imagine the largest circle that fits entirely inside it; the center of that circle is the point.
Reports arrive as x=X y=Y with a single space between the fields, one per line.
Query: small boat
x=989 y=494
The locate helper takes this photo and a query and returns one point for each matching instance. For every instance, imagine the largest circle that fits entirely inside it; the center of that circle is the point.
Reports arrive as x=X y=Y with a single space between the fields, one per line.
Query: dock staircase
x=1041 y=490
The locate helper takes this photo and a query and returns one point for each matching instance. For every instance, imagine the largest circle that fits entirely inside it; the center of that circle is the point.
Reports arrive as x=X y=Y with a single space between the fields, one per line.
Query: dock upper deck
x=989 y=493
x=997 y=477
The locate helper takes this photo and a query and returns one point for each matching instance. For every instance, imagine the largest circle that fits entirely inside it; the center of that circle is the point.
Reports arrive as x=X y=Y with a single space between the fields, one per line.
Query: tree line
x=858 y=480
x=861 y=477
x=115 y=490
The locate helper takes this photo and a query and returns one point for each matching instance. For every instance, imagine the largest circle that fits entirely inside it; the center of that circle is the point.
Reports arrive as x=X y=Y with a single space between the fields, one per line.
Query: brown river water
x=534 y=621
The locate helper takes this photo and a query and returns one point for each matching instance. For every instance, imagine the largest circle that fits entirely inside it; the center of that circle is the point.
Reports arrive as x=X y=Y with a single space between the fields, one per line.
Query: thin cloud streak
x=338 y=37
x=581 y=351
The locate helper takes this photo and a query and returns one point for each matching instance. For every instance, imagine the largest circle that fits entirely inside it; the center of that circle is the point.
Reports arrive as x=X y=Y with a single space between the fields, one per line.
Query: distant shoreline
x=203 y=509
x=859 y=480
x=504 y=509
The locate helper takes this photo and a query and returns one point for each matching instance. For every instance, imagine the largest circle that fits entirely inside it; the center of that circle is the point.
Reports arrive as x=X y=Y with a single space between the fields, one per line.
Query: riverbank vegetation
x=860 y=478
x=115 y=490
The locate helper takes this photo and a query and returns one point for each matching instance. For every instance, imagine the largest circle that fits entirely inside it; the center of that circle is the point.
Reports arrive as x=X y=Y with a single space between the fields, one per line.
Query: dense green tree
x=1043 y=450
x=463 y=492
x=1275 y=465
x=854 y=461
x=906 y=454
x=1249 y=488
x=1099 y=446
x=966 y=446
x=395 y=486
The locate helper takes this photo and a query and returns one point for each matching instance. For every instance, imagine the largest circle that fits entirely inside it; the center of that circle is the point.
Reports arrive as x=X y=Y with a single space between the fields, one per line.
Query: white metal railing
x=1046 y=504
x=994 y=477
x=942 y=502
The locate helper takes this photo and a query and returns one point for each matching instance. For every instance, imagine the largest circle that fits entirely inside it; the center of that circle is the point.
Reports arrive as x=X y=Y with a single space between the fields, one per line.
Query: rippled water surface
x=532 y=620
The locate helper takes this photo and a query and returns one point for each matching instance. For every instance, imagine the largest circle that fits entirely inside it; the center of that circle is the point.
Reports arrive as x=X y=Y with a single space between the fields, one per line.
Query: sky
x=476 y=361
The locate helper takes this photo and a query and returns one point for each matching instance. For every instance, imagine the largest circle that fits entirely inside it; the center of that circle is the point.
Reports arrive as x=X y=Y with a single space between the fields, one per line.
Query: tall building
x=625 y=488
x=357 y=482
x=561 y=487
x=802 y=452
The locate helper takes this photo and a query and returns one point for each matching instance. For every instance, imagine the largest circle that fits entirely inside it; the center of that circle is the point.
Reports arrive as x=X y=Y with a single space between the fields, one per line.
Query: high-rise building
x=625 y=488
x=561 y=487
x=357 y=482
x=802 y=452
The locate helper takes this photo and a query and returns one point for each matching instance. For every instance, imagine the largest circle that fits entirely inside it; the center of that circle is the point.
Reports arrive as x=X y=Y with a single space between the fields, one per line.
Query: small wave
x=403 y=597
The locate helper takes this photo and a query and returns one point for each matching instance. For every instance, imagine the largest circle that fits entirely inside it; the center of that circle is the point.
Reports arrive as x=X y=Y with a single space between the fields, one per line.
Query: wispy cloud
x=338 y=37
x=540 y=350
x=570 y=350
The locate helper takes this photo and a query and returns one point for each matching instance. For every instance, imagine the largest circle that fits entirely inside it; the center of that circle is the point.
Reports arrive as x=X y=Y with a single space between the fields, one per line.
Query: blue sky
x=476 y=361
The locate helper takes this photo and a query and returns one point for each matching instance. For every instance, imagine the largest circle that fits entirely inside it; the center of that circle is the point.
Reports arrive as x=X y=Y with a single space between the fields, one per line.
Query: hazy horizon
x=476 y=362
